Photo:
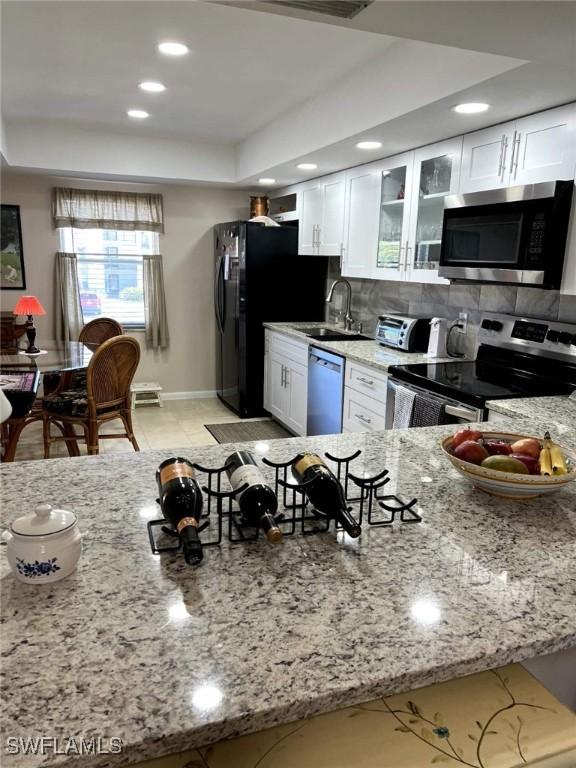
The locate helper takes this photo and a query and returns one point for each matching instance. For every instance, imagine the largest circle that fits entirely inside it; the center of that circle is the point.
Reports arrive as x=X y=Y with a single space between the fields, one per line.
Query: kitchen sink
x=331 y=334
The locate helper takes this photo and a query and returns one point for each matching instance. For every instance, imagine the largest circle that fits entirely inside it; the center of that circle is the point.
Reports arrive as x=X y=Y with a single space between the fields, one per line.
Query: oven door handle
x=460 y=413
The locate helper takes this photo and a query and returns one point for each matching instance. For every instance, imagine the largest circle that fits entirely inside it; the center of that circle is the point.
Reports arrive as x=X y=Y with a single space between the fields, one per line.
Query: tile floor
x=178 y=423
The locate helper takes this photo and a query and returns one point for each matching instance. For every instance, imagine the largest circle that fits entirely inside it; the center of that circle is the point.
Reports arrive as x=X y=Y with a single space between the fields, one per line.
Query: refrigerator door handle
x=217 y=291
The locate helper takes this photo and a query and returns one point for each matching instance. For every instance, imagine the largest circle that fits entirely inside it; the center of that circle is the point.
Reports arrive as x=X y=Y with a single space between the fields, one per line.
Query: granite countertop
x=165 y=657
x=368 y=352
x=551 y=410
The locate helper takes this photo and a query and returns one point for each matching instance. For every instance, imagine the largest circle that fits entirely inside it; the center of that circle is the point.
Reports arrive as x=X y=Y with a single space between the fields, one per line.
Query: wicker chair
x=95 y=333
x=106 y=397
x=99 y=330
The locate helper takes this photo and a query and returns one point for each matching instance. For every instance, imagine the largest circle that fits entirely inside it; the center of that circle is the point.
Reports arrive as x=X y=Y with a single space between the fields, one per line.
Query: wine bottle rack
x=221 y=518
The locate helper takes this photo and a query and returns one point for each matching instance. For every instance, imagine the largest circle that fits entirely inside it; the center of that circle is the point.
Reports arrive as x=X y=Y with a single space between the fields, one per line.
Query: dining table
x=57 y=359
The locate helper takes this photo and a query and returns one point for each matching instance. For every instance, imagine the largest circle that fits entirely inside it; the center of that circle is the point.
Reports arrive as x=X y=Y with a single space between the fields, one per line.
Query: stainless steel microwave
x=514 y=236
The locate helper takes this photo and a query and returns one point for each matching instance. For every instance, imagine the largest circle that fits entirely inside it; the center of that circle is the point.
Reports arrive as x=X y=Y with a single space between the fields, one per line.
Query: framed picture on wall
x=12 y=273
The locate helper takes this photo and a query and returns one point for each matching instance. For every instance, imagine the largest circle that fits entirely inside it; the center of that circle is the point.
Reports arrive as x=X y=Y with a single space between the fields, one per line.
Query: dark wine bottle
x=258 y=503
x=181 y=503
x=325 y=492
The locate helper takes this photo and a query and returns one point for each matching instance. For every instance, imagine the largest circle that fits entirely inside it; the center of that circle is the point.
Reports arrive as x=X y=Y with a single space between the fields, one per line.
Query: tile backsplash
x=371 y=298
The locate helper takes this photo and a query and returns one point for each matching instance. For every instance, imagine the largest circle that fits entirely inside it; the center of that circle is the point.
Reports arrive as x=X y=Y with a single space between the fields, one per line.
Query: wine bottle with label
x=258 y=503
x=181 y=503
x=324 y=491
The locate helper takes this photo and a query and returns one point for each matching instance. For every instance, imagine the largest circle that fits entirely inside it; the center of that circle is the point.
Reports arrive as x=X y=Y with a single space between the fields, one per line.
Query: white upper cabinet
x=537 y=148
x=321 y=216
x=396 y=191
x=545 y=147
x=436 y=173
x=361 y=218
x=485 y=156
x=332 y=224
x=309 y=215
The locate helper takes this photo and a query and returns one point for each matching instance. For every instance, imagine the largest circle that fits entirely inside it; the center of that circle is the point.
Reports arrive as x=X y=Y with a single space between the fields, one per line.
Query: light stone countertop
x=368 y=352
x=145 y=648
x=551 y=410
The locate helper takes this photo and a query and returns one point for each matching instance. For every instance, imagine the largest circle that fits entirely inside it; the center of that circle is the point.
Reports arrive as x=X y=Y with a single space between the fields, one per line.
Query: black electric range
x=517 y=357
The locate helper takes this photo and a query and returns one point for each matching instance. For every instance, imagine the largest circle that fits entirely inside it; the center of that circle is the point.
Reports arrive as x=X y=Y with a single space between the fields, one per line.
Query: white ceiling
x=81 y=62
x=265 y=87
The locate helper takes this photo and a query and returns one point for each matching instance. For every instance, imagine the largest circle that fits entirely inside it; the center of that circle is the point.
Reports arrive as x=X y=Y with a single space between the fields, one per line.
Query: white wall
x=187 y=248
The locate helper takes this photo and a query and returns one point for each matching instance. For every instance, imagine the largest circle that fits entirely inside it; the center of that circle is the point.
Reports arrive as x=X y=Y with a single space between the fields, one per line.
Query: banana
x=557 y=461
x=545 y=462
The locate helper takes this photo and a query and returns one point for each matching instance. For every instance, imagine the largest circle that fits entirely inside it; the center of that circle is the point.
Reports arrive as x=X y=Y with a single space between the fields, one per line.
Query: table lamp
x=29 y=305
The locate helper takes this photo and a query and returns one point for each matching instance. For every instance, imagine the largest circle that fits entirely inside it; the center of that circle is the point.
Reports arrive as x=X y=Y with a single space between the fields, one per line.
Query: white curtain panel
x=94 y=209
x=156 y=318
x=69 y=319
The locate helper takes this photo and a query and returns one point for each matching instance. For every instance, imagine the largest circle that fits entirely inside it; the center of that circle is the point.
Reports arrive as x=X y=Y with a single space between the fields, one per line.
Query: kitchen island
x=165 y=657
x=553 y=410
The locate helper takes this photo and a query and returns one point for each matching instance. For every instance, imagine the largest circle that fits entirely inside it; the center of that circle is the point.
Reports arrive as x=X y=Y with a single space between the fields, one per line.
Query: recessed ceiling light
x=471 y=108
x=369 y=144
x=152 y=86
x=266 y=181
x=173 y=49
x=307 y=166
x=138 y=114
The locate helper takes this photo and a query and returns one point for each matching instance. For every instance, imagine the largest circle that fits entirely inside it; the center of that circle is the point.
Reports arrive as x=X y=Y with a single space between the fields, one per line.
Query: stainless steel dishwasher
x=325 y=392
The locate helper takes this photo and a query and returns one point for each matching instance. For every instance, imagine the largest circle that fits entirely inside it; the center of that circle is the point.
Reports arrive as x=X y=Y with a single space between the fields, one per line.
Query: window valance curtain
x=94 y=209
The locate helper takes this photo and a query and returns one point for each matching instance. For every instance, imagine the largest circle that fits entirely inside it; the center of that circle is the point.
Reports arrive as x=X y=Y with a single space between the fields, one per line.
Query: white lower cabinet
x=286 y=381
x=364 y=399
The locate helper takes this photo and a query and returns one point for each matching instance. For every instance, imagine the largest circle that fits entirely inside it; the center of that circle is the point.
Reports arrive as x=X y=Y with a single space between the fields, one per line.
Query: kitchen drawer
x=362 y=413
x=366 y=380
x=288 y=346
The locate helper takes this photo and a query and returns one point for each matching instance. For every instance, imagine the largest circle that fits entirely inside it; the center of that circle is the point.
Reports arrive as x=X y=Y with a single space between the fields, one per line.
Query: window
x=110 y=277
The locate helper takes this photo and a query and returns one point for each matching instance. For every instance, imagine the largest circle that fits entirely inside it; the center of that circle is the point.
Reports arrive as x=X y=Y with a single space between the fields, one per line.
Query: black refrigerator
x=259 y=277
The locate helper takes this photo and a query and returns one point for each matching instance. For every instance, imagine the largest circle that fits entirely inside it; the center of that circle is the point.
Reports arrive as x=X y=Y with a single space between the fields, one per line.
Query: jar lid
x=44 y=521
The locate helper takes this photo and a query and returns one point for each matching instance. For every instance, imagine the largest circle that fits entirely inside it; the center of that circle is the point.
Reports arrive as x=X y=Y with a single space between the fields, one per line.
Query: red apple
x=532 y=463
x=498 y=447
x=471 y=451
x=527 y=446
x=462 y=435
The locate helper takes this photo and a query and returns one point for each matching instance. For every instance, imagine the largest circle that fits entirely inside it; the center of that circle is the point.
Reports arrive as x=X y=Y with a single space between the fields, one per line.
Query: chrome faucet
x=348 y=319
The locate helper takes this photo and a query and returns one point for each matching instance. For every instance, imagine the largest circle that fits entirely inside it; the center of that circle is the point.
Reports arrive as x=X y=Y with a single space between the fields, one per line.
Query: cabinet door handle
x=515 y=153
x=282 y=377
x=363 y=418
x=318 y=236
x=370 y=382
x=407 y=249
x=342 y=249
x=502 y=160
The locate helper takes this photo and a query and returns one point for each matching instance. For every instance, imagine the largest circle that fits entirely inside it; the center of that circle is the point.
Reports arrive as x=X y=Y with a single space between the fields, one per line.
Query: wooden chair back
x=99 y=330
x=110 y=373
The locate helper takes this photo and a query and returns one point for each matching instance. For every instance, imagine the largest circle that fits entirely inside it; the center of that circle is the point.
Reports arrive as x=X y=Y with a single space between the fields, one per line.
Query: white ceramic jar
x=43 y=546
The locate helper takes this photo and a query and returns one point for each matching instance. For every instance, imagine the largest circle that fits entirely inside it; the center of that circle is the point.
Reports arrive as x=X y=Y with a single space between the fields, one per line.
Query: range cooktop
x=517 y=357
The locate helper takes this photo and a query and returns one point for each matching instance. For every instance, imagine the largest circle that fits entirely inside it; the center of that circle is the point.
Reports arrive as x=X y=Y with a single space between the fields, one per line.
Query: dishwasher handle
x=315 y=360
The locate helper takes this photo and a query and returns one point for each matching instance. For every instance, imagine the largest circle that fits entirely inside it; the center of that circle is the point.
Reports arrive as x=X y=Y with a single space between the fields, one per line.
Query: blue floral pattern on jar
x=37 y=568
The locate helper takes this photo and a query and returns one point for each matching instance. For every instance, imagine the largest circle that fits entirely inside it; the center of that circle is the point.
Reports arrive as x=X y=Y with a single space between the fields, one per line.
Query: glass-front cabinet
x=436 y=173
x=394 y=212
x=395 y=193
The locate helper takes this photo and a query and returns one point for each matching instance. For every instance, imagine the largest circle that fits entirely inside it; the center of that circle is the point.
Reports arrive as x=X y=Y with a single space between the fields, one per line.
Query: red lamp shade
x=28 y=305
